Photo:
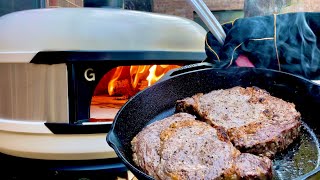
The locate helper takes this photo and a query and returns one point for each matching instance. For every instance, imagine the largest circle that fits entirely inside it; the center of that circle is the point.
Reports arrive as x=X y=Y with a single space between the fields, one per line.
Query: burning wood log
x=123 y=88
x=143 y=84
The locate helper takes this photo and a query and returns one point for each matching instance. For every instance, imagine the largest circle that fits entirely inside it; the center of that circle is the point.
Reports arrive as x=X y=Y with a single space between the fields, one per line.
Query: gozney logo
x=89 y=76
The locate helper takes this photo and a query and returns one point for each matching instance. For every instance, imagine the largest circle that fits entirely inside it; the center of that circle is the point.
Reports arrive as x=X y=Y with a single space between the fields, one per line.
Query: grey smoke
x=264 y=7
x=298 y=46
x=297 y=43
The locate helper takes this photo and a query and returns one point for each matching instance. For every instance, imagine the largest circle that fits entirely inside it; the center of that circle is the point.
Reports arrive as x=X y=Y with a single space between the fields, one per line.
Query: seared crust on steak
x=256 y=122
x=191 y=149
x=195 y=150
x=146 y=144
x=249 y=166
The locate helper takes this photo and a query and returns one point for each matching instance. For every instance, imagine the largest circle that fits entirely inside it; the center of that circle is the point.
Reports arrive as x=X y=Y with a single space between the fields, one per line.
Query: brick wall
x=312 y=5
x=216 y=5
x=64 y=3
x=303 y=6
x=183 y=9
x=173 y=7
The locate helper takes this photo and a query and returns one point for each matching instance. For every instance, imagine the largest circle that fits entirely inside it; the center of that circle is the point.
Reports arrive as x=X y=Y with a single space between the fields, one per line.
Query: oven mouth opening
x=120 y=84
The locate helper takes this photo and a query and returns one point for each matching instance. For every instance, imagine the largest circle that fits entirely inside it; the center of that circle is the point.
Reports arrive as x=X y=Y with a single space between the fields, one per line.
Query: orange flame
x=114 y=78
x=152 y=77
x=137 y=72
x=140 y=76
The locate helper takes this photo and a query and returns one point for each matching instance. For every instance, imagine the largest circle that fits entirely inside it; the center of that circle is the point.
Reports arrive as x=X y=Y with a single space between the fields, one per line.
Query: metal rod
x=213 y=19
x=208 y=18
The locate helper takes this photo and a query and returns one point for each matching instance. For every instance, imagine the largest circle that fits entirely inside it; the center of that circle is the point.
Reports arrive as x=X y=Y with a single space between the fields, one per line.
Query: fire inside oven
x=118 y=85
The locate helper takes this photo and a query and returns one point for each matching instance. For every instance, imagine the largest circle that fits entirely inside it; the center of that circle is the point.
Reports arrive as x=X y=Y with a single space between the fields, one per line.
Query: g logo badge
x=90 y=76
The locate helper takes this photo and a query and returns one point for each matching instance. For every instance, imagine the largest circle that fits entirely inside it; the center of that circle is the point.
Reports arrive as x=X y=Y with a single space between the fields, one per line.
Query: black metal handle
x=185 y=69
x=112 y=139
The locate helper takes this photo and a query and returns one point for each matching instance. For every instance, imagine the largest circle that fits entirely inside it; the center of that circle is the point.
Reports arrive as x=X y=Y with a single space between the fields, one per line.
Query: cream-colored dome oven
x=64 y=74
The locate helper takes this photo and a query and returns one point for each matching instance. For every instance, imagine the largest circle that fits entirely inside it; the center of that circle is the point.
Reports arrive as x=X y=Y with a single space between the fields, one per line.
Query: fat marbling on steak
x=191 y=149
x=255 y=121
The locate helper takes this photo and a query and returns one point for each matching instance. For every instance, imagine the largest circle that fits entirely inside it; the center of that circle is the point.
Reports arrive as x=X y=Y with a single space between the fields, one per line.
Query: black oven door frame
x=85 y=70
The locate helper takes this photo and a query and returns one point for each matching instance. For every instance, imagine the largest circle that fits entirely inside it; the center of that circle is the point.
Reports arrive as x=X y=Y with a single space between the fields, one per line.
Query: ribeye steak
x=191 y=149
x=255 y=121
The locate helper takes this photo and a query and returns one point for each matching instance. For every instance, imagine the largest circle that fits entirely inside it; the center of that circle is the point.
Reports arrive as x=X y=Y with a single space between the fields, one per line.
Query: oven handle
x=186 y=69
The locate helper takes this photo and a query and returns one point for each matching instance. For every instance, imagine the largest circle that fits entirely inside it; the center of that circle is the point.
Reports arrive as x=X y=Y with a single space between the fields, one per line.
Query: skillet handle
x=112 y=139
x=186 y=69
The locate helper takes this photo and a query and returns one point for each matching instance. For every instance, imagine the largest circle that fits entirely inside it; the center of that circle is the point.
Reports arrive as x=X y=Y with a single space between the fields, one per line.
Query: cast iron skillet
x=300 y=161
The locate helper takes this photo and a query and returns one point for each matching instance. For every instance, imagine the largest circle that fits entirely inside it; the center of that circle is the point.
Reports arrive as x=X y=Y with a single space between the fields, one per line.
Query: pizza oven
x=65 y=73
x=100 y=83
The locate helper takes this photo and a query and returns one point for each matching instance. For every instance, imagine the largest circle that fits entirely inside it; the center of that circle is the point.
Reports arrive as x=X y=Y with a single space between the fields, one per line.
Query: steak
x=255 y=121
x=180 y=147
x=249 y=166
x=195 y=150
x=146 y=144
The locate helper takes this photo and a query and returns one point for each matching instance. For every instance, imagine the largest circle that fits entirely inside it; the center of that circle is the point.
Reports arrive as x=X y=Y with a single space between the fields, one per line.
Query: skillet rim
x=112 y=139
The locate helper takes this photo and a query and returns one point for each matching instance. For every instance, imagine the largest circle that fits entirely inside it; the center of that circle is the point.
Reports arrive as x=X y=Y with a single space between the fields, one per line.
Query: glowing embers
x=119 y=84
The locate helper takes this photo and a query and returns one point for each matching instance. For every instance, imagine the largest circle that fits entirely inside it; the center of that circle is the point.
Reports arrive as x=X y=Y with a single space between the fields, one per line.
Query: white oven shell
x=33 y=94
